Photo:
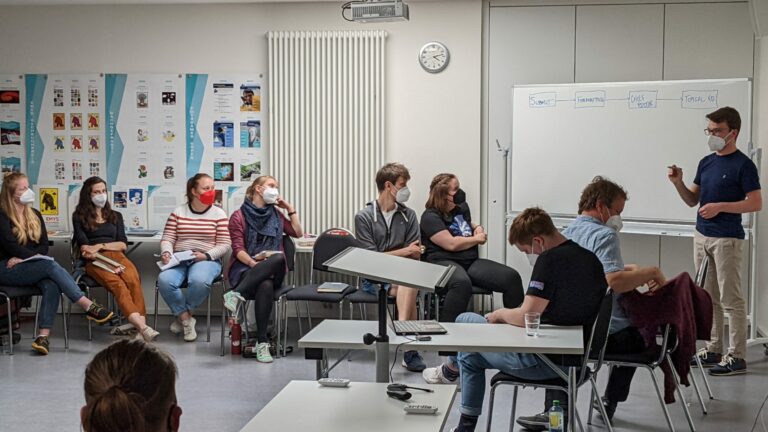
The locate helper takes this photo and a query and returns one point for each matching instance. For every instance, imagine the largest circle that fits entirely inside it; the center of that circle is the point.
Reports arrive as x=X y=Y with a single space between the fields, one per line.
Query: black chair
x=87 y=284
x=330 y=243
x=650 y=360
x=594 y=348
x=18 y=292
x=219 y=280
x=289 y=251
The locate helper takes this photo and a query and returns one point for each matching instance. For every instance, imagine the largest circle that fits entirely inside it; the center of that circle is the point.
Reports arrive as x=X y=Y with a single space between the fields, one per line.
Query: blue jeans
x=52 y=280
x=474 y=365
x=199 y=276
x=372 y=287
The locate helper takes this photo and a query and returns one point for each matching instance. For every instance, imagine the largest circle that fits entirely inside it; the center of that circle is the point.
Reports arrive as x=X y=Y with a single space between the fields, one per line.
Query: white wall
x=761 y=139
x=432 y=121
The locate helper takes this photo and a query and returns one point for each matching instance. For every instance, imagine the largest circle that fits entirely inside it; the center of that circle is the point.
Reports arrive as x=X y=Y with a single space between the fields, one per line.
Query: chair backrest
x=289 y=249
x=701 y=273
x=329 y=244
x=598 y=337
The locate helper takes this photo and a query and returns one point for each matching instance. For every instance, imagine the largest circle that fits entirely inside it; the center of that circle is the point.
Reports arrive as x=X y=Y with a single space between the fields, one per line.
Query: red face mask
x=208 y=197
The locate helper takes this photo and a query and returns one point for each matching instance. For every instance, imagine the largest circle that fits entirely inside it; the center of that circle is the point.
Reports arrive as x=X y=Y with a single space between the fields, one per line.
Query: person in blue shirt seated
x=726 y=185
x=567 y=286
x=597 y=229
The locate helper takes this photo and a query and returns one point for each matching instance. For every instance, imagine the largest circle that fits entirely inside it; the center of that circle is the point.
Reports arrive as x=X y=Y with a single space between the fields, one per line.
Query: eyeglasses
x=715 y=131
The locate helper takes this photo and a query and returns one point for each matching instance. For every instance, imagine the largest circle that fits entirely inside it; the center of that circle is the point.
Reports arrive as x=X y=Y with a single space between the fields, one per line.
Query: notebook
x=332 y=287
x=416 y=327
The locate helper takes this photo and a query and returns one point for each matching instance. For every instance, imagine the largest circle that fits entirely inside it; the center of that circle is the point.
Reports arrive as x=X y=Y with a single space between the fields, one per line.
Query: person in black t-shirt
x=567 y=286
x=450 y=238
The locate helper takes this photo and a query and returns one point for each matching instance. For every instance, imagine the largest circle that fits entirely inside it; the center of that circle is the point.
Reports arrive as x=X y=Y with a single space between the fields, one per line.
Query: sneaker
x=262 y=353
x=176 y=327
x=413 y=362
x=41 y=345
x=436 y=375
x=538 y=422
x=729 y=366
x=98 y=314
x=610 y=407
x=189 y=330
x=149 y=334
x=232 y=300
x=708 y=358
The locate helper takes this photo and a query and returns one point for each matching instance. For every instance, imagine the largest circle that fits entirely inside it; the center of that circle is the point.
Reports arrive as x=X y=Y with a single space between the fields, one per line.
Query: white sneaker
x=176 y=327
x=149 y=334
x=435 y=376
x=189 y=330
x=232 y=300
x=262 y=353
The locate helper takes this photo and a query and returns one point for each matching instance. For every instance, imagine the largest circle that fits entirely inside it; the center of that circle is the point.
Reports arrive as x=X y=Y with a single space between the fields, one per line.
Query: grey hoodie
x=372 y=231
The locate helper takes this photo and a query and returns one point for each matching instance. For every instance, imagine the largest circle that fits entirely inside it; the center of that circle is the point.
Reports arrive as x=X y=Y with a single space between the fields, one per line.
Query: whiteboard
x=563 y=135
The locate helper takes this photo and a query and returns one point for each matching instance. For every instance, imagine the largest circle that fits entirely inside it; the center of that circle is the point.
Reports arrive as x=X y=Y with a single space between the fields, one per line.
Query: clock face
x=434 y=57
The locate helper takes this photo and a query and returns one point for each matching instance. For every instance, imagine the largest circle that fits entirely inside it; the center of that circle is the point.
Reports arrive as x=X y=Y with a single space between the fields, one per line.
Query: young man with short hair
x=387 y=225
x=567 y=286
x=726 y=185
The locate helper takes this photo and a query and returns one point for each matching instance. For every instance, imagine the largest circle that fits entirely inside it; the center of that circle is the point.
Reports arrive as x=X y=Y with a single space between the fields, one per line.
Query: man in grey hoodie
x=387 y=225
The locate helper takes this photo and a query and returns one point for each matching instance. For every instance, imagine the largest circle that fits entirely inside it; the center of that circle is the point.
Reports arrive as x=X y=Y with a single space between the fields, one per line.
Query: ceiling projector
x=370 y=11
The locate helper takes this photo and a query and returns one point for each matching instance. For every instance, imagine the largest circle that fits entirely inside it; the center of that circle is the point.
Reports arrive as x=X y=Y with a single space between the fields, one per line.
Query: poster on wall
x=161 y=201
x=224 y=127
x=12 y=149
x=52 y=201
x=235 y=195
x=64 y=128
x=145 y=134
x=132 y=204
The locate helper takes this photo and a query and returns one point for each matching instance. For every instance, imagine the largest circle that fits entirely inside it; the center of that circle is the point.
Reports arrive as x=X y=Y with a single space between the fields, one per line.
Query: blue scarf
x=264 y=228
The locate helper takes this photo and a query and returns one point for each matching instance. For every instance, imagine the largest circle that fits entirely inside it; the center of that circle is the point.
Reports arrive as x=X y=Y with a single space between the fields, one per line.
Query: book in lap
x=108 y=264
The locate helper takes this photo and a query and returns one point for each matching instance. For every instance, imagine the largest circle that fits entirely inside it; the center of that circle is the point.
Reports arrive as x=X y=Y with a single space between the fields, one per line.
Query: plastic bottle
x=235 y=335
x=556 y=417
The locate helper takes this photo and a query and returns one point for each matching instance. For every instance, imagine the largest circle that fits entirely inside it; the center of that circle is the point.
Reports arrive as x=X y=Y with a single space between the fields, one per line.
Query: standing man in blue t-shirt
x=726 y=185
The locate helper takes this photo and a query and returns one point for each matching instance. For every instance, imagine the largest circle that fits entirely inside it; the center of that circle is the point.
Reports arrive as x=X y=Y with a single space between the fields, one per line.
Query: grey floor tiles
x=223 y=393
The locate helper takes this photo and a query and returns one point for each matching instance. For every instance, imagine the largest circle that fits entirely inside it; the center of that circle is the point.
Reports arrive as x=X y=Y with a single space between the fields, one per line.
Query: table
x=133 y=241
x=359 y=407
x=467 y=337
x=395 y=270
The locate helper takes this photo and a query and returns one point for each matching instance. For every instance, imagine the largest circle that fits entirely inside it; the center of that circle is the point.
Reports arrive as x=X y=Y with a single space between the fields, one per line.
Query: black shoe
x=729 y=366
x=41 y=345
x=98 y=314
x=538 y=422
x=610 y=407
x=708 y=358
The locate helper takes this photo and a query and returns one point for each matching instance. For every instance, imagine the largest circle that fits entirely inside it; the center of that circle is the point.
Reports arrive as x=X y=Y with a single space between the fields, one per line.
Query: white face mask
x=614 y=222
x=716 y=143
x=532 y=257
x=402 y=195
x=270 y=195
x=99 y=200
x=28 y=197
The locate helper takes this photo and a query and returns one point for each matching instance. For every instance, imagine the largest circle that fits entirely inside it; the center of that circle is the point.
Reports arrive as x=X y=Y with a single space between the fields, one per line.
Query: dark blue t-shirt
x=726 y=178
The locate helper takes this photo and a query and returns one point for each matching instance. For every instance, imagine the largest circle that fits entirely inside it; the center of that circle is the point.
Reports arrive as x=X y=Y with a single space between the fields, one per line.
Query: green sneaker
x=41 y=345
x=262 y=353
x=232 y=300
x=98 y=314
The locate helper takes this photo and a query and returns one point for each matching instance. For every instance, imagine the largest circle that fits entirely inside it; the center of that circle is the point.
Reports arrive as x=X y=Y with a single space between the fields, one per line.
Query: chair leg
x=298 y=318
x=341 y=310
x=592 y=398
x=683 y=402
x=704 y=375
x=596 y=397
x=276 y=326
x=223 y=324
x=64 y=318
x=285 y=324
x=698 y=392
x=10 y=323
x=245 y=321
x=490 y=409
x=578 y=420
x=90 y=323
x=37 y=316
x=309 y=316
x=208 y=321
x=655 y=381
x=512 y=416
x=157 y=293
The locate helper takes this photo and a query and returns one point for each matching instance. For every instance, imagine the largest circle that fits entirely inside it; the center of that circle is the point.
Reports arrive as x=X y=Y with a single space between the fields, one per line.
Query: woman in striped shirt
x=200 y=227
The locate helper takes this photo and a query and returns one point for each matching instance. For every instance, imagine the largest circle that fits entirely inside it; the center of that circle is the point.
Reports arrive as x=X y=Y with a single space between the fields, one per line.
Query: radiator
x=326 y=115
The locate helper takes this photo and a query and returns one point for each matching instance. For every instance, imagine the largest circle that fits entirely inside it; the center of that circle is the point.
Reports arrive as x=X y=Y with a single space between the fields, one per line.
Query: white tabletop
x=65 y=235
x=348 y=334
x=389 y=268
x=307 y=406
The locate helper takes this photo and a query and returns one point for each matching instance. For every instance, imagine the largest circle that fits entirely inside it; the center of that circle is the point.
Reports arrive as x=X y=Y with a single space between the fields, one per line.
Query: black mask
x=460 y=197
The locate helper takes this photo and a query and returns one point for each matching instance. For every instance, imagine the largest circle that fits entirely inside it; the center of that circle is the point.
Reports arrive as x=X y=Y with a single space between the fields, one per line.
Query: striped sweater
x=205 y=232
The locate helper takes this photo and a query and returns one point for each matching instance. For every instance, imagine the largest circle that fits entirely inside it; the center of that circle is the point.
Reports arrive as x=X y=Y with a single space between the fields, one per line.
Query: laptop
x=415 y=327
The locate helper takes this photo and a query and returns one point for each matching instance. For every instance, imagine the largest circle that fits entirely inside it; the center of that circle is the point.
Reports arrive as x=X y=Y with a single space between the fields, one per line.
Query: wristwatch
x=291 y=213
